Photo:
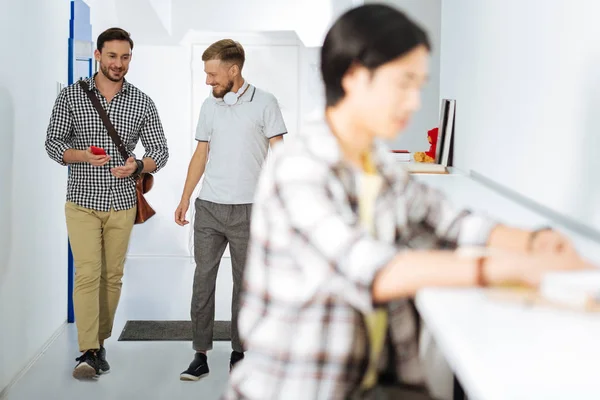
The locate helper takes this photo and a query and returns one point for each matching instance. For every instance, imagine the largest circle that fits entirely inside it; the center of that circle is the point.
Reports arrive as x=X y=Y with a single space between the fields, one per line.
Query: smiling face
x=383 y=100
x=114 y=59
x=220 y=75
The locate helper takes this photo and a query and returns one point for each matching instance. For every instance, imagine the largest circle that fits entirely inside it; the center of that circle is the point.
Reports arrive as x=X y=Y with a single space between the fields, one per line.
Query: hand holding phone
x=96 y=156
x=97 y=151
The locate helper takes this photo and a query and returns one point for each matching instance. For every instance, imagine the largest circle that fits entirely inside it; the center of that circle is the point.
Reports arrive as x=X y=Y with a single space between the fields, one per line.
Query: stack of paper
x=402 y=155
x=576 y=289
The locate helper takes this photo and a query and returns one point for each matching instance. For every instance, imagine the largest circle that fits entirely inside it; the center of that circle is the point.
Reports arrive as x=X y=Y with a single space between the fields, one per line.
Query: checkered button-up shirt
x=75 y=124
x=311 y=265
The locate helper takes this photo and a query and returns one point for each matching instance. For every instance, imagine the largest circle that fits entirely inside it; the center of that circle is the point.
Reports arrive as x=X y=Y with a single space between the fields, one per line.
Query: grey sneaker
x=103 y=366
x=87 y=368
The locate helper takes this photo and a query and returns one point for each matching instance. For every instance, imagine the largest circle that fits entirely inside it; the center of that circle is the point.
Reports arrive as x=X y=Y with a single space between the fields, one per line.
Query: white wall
x=33 y=240
x=160 y=236
x=311 y=90
x=272 y=64
x=427 y=13
x=163 y=72
x=526 y=78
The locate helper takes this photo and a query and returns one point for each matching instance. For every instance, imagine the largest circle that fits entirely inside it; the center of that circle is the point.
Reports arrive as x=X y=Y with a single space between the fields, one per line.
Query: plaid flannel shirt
x=311 y=265
x=75 y=124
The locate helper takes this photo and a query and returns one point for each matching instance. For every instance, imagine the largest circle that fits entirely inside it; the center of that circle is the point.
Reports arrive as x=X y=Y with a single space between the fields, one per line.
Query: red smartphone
x=98 y=151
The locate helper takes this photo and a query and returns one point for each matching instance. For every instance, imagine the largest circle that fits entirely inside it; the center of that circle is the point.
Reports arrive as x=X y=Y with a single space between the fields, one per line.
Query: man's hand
x=550 y=241
x=126 y=170
x=96 y=161
x=274 y=140
x=538 y=241
x=182 y=209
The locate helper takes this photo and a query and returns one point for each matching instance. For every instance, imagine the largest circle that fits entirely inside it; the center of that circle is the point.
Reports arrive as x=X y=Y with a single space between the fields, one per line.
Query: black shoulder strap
x=109 y=126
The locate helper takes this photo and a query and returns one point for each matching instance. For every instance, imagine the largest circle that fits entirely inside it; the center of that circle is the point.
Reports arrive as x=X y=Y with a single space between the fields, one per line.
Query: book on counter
x=425 y=168
x=402 y=155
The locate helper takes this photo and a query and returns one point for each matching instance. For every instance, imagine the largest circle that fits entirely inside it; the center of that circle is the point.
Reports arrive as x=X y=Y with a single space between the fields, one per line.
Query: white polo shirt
x=239 y=142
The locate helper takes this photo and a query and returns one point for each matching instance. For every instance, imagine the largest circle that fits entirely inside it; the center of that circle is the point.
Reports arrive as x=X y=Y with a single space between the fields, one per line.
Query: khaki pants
x=99 y=242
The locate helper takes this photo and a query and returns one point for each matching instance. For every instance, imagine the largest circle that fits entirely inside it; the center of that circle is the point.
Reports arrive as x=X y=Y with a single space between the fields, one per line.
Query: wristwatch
x=140 y=168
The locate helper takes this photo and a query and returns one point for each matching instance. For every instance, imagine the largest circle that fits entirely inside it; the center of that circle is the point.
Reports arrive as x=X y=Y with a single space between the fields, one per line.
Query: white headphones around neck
x=231 y=98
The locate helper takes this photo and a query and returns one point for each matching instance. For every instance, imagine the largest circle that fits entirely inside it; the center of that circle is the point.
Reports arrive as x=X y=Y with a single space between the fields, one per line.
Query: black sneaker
x=87 y=368
x=236 y=357
x=197 y=369
x=103 y=366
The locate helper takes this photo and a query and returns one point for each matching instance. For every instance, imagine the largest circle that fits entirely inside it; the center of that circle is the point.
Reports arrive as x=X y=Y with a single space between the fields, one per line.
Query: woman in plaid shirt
x=342 y=237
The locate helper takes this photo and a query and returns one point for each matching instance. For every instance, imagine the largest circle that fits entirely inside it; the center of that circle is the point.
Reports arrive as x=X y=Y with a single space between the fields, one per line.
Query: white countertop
x=504 y=351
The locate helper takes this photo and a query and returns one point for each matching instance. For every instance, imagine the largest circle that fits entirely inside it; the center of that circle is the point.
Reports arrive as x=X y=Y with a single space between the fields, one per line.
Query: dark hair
x=113 y=34
x=226 y=50
x=370 y=35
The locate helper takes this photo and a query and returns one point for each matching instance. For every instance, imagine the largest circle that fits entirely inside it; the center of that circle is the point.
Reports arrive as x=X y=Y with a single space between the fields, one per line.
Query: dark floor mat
x=170 y=330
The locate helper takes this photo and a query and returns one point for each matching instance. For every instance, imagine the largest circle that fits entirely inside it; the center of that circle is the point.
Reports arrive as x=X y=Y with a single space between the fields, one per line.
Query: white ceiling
x=167 y=22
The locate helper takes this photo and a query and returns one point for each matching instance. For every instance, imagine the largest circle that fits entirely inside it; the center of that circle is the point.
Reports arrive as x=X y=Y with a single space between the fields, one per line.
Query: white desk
x=502 y=351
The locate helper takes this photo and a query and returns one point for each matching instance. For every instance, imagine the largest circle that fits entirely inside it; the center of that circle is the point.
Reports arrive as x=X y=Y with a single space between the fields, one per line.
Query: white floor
x=156 y=288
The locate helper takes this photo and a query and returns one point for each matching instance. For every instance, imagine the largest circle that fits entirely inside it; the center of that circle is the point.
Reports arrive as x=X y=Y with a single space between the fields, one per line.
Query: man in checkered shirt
x=101 y=195
x=342 y=236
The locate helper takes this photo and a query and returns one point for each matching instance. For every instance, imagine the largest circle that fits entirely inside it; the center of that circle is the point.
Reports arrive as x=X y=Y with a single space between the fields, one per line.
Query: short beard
x=106 y=73
x=221 y=94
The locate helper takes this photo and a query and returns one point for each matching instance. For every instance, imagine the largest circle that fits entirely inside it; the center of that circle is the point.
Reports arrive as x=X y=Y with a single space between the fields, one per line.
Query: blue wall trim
x=80 y=29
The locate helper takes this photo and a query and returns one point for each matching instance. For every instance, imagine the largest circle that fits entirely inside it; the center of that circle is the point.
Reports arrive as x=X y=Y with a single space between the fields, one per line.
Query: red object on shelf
x=432 y=138
x=400 y=151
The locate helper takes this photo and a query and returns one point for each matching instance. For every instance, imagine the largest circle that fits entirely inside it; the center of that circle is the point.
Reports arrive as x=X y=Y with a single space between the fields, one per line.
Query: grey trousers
x=215 y=225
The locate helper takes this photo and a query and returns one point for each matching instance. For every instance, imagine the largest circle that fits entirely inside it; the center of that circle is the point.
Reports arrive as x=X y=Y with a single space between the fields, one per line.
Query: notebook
x=425 y=168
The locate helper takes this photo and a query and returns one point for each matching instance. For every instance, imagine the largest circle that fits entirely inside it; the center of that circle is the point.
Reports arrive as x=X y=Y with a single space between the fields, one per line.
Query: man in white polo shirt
x=239 y=122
